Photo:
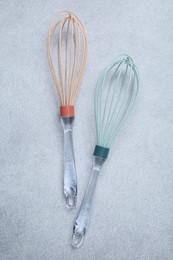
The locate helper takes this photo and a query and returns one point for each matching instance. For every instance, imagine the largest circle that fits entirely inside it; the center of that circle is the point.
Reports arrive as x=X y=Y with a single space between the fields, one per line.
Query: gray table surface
x=132 y=215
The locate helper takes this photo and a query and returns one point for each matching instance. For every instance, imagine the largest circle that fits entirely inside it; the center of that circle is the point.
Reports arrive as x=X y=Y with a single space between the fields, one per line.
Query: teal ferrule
x=101 y=151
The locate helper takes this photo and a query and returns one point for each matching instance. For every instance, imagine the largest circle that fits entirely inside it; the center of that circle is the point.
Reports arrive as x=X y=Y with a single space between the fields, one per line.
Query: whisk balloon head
x=67 y=55
x=115 y=94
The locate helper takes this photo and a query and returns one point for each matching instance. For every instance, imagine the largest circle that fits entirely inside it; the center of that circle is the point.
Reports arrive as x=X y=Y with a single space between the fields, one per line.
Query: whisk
x=115 y=93
x=67 y=55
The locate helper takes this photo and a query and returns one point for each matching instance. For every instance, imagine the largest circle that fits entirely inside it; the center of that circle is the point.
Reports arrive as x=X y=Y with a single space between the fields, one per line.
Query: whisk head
x=67 y=55
x=116 y=91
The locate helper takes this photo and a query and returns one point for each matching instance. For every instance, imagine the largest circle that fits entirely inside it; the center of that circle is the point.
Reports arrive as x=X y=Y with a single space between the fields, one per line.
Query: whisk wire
x=112 y=110
x=121 y=98
x=120 y=118
x=113 y=101
x=112 y=115
x=66 y=71
x=60 y=57
x=68 y=75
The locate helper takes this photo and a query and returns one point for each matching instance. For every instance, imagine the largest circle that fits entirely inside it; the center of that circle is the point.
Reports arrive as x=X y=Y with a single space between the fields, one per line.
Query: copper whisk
x=67 y=50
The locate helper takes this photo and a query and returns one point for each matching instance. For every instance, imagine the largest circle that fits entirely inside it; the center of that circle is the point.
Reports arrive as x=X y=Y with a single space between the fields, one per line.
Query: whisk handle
x=70 y=179
x=83 y=217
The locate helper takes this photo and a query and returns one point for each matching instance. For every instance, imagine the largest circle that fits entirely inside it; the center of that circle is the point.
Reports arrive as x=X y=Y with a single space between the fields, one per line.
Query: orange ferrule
x=67 y=111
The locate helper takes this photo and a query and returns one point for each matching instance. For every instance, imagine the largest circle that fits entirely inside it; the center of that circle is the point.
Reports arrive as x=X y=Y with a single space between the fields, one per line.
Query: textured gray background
x=133 y=207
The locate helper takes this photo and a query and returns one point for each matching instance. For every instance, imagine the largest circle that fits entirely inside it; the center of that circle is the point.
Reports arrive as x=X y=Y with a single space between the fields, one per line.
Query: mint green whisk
x=115 y=94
